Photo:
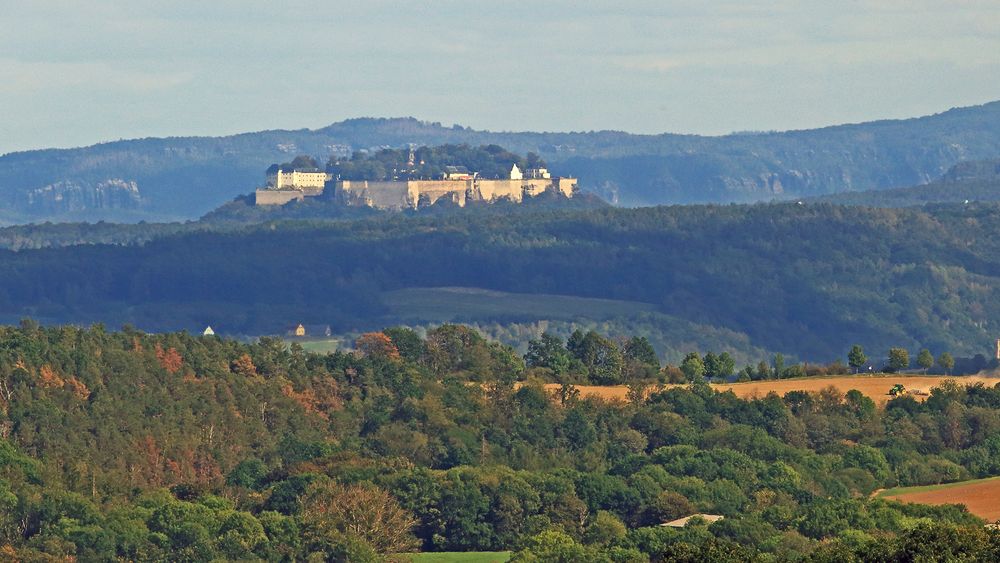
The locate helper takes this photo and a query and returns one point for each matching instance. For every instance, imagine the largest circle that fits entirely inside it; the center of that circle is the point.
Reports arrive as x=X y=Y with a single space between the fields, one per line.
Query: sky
x=79 y=72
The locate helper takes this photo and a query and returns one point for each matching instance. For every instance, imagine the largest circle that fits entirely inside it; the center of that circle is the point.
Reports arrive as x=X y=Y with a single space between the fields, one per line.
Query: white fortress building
x=457 y=185
x=295 y=185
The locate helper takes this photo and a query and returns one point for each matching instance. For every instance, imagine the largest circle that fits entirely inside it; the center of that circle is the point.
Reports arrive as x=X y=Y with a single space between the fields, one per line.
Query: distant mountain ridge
x=185 y=177
x=973 y=181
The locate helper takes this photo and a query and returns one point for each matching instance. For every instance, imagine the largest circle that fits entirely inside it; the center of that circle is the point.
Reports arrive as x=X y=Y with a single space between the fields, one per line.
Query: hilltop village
x=364 y=181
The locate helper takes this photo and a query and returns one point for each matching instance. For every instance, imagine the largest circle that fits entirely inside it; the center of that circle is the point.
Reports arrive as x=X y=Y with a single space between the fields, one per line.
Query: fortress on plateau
x=456 y=185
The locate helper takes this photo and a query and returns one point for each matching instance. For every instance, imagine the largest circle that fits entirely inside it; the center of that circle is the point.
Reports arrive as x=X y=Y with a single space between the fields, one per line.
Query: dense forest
x=126 y=445
x=805 y=280
x=183 y=178
x=429 y=163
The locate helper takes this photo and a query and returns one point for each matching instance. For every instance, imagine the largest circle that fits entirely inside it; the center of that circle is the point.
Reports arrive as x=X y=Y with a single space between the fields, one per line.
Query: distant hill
x=809 y=280
x=967 y=181
x=185 y=177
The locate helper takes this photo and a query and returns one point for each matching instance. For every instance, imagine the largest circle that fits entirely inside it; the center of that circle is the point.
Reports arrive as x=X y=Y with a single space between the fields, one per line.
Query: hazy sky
x=79 y=72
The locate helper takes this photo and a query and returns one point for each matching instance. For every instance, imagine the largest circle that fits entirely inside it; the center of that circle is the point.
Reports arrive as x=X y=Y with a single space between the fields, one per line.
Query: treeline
x=127 y=445
x=588 y=357
x=489 y=161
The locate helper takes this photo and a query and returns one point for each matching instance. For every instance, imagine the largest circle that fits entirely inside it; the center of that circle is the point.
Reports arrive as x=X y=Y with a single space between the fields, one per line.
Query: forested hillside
x=807 y=280
x=183 y=178
x=971 y=181
x=131 y=446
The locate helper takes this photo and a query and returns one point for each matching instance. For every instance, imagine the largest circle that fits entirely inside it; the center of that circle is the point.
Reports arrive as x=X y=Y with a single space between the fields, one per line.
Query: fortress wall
x=536 y=186
x=434 y=190
x=345 y=190
x=277 y=197
x=392 y=195
x=565 y=185
x=492 y=190
x=400 y=194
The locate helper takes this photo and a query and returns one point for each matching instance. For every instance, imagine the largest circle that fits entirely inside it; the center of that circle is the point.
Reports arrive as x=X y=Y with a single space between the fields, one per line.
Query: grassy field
x=458 y=557
x=321 y=346
x=980 y=496
x=874 y=386
x=445 y=304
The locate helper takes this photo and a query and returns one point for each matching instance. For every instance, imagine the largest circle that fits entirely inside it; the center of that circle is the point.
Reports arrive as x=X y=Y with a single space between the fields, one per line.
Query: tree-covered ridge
x=807 y=280
x=430 y=163
x=174 y=447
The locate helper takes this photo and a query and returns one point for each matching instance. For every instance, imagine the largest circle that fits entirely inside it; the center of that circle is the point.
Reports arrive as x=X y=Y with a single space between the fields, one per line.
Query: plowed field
x=981 y=497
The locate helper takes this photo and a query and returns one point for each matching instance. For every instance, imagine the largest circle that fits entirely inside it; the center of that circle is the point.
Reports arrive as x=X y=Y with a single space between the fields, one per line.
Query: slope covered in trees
x=809 y=280
x=125 y=445
x=975 y=181
x=184 y=178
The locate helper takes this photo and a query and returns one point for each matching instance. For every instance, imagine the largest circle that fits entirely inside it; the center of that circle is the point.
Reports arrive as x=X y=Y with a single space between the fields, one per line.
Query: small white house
x=208 y=331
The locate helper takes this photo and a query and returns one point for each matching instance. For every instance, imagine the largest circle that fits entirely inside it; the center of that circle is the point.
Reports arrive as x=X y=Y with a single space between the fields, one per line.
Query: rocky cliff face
x=66 y=196
x=984 y=170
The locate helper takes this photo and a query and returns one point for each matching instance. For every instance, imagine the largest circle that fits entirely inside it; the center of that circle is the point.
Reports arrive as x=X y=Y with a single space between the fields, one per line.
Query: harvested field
x=981 y=497
x=874 y=386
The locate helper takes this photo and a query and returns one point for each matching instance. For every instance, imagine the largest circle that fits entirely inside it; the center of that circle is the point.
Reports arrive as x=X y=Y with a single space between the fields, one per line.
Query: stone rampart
x=277 y=197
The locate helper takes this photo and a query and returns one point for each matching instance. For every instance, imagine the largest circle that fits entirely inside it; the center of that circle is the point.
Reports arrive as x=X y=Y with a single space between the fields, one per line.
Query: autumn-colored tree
x=319 y=399
x=47 y=377
x=170 y=359
x=376 y=345
x=244 y=366
x=362 y=510
x=78 y=388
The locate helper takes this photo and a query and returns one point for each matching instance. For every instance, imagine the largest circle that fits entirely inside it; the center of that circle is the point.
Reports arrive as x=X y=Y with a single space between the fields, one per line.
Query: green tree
x=638 y=349
x=667 y=506
x=553 y=547
x=727 y=365
x=548 y=352
x=603 y=529
x=578 y=429
x=407 y=341
x=946 y=362
x=711 y=363
x=925 y=360
x=763 y=370
x=856 y=358
x=779 y=366
x=602 y=358
x=899 y=359
x=693 y=367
